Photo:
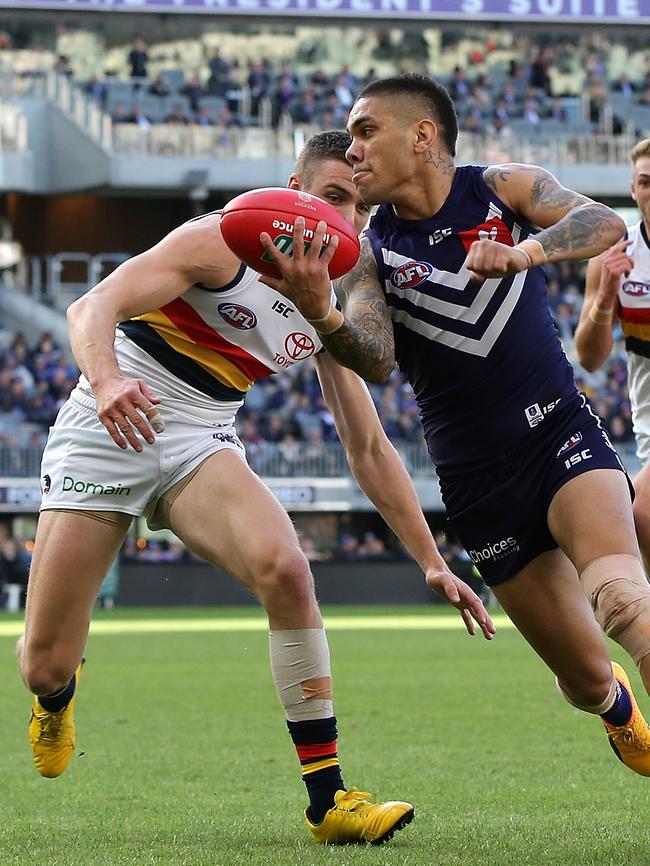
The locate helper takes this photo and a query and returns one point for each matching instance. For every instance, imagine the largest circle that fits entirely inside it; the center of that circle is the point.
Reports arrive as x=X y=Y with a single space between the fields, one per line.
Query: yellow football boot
x=630 y=742
x=52 y=736
x=353 y=818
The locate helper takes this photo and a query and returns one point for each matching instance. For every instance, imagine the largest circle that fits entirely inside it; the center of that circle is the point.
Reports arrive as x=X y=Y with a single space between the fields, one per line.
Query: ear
x=426 y=135
x=632 y=190
x=294 y=182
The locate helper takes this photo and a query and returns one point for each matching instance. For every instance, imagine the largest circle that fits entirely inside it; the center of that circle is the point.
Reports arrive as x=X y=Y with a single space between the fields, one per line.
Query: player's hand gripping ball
x=273 y=210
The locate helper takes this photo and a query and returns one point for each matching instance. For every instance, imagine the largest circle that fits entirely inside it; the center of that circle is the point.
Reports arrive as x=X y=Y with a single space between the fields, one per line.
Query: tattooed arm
x=364 y=342
x=574 y=226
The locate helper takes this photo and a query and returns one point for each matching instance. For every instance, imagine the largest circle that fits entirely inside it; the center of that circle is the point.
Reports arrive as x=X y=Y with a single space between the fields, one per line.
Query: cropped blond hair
x=641 y=148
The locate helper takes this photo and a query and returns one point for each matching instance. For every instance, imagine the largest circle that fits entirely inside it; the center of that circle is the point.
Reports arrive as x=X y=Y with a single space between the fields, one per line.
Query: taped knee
x=619 y=593
x=300 y=662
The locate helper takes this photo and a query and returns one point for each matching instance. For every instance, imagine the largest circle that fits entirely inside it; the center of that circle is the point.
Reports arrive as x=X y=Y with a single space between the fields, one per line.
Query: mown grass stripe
x=332 y=623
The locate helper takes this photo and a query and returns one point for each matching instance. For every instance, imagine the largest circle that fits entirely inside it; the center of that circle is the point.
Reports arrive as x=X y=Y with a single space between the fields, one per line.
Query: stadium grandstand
x=115 y=127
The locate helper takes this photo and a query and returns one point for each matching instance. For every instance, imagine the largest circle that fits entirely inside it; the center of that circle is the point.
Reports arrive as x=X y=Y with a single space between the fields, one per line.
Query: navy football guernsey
x=484 y=359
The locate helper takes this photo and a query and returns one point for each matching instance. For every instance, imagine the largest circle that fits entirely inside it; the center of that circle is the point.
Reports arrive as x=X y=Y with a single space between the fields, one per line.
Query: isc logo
x=411 y=274
x=239 y=317
x=578 y=457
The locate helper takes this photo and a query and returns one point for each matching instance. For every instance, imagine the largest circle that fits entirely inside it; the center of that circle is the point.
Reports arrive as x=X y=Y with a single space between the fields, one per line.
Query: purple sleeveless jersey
x=484 y=359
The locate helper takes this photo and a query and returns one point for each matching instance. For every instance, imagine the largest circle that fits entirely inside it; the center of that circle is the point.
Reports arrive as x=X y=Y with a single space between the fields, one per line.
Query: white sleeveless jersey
x=220 y=341
x=634 y=315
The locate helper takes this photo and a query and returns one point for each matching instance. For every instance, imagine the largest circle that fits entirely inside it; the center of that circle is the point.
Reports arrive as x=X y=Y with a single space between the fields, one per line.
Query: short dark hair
x=432 y=96
x=331 y=144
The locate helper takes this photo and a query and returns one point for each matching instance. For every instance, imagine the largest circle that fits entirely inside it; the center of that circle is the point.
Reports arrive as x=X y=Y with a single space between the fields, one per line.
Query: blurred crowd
x=502 y=81
x=34 y=382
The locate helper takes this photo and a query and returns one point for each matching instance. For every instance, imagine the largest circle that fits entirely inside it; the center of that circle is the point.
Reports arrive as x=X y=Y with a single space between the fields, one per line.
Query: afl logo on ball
x=299 y=346
x=411 y=274
x=239 y=317
x=46 y=483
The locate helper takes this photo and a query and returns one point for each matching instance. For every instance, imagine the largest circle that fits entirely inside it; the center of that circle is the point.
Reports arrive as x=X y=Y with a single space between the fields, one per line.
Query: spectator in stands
x=556 y=111
x=202 y=117
x=139 y=117
x=177 y=116
x=258 y=84
x=624 y=86
x=348 y=547
x=305 y=107
x=531 y=112
x=96 y=89
x=159 y=87
x=372 y=547
x=62 y=66
x=120 y=114
x=539 y=76
x=138 y=58
x=194 y=91
x=458 y=86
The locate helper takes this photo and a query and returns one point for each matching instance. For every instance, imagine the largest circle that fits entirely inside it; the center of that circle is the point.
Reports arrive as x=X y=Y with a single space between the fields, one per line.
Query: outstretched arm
x=573 y=225
x=380 y=473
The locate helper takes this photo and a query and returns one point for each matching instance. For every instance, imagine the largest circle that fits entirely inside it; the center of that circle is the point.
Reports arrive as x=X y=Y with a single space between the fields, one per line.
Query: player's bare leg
x=547 y=604
x=72 y=554
x=642 y=512
x=229 y=517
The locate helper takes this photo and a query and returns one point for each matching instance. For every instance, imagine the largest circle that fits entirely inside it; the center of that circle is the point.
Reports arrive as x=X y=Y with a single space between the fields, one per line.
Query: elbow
x=75 y=309
x=380 y=374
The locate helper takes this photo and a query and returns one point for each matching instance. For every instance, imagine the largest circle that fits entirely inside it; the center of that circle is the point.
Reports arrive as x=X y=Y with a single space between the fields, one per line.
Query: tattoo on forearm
x=365 y=341
x=589 y=229
x=586 y=230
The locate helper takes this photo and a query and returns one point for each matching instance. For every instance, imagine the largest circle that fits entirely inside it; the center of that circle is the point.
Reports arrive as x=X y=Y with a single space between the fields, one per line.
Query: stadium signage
x=612 y=11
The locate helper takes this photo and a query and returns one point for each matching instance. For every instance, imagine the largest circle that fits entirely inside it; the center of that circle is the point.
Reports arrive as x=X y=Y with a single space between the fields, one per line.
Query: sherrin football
x=273 y=210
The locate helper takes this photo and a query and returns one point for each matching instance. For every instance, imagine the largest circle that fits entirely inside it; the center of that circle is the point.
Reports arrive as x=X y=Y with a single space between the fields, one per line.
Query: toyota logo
x=299 y=346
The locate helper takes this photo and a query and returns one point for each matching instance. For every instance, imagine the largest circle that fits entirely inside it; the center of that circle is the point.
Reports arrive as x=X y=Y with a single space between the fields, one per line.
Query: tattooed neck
x=442 y=161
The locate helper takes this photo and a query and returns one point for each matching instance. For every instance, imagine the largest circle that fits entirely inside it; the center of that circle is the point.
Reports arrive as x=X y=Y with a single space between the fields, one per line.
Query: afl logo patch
x=411 y=274
x=239 y=317
x=636 y=289
x=46 y=484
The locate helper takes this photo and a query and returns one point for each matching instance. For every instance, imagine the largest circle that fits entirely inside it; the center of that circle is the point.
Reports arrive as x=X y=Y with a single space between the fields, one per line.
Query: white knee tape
x=300 y=662
x=619 y=593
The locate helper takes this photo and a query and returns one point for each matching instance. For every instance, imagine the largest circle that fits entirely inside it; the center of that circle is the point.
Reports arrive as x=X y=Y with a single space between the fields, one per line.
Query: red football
x=273 y=210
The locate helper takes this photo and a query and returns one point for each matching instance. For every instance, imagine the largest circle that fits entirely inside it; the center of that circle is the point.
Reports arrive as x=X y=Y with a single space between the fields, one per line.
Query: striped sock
x=315 y=742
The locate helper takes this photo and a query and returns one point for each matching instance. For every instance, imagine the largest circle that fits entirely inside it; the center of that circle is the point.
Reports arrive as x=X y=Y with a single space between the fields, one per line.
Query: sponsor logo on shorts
x=570 y=443
x=636 y=289
x=495 y=550
x=411 y=274
x=225 y=437
x=578 y=457
x=535 y=414
x=239 y=317
x=94 y=488
x=46 y=484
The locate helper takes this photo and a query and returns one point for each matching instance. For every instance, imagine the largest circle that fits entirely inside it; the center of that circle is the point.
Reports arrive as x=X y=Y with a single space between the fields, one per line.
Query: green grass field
x=183 y=756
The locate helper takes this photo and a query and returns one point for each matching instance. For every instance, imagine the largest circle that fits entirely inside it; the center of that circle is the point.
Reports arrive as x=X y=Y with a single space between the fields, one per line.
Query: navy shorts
x=499 y=511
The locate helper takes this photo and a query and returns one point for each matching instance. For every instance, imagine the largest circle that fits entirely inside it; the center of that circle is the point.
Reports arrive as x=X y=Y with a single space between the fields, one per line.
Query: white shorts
x=638 y=376
x=84 y=470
